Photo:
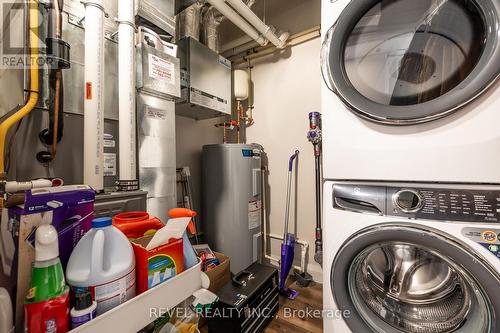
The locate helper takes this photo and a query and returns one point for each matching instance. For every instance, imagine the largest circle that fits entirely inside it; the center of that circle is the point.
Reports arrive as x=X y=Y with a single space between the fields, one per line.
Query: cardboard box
x=157 y=265
x=68 y=208
x=221 y=274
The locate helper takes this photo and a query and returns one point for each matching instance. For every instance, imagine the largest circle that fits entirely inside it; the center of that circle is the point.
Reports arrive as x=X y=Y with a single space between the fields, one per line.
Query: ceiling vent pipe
x=212 y=18
x=266 y=31
x=234 y=17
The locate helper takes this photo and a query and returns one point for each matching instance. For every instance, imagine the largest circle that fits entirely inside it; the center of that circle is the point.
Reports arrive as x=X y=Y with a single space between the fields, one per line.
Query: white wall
x=285 y=91
x=191 y=135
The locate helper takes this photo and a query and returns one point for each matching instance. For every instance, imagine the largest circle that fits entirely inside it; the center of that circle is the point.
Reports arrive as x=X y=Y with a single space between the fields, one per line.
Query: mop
x=288 y=245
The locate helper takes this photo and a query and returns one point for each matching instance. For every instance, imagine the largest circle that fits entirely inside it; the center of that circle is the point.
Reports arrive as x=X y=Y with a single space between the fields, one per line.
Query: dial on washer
x=408 y=201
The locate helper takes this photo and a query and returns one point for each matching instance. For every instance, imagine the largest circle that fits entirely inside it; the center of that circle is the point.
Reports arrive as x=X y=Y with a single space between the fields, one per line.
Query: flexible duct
x=126 y=75
x=265 y=30
x=34 y=84
x=234 y=17
x=188 y=22
x=211 y=21
x=93 y=119
x=212 y=18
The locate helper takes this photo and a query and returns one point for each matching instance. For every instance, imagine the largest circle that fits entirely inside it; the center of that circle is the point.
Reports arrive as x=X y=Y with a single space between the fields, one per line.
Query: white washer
x=412 y=101
x=411 y=258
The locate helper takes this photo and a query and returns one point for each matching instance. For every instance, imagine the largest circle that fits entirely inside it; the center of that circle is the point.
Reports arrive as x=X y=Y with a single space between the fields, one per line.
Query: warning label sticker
x=161 y=69
x=254 y=213
x=109 y=164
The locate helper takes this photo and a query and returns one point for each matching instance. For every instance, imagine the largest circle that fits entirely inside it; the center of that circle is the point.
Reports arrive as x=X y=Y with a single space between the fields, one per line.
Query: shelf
x=135 y=314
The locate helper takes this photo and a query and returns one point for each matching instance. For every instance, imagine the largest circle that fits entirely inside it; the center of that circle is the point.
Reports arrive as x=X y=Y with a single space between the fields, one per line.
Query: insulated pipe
x=34 y=84
x=126 y=84
x=93 y=119
x=13 y=187
x=234 y=17
x=265 y=30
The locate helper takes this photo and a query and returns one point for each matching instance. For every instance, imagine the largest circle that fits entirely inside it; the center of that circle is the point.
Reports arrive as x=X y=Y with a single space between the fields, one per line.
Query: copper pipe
x=56 y=113
x=55 y=131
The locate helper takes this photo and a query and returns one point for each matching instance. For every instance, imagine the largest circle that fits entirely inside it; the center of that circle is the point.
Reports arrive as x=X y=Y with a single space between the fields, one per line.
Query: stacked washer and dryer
x=411 y=122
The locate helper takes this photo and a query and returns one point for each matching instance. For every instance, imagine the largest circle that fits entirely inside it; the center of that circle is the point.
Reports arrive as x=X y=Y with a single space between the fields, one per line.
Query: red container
x=137 y=224
x=48 y=316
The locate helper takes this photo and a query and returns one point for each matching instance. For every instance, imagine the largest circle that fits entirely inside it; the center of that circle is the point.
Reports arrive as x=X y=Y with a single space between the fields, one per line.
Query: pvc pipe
x=93 y=119
x=13 y=187
x=234 y=17
x=265 y=30
x=126 y=84
x=304 y=247
x=34 y=84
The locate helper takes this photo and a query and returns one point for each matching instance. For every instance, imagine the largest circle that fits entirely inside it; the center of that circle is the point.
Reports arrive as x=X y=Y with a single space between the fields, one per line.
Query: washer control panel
x=421 y=202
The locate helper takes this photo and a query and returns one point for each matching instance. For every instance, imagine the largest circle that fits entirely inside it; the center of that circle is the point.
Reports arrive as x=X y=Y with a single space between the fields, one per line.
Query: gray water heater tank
x=232 y=203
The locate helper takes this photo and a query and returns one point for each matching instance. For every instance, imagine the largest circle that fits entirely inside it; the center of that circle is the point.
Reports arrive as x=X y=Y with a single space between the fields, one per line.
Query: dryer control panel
x=429 y=202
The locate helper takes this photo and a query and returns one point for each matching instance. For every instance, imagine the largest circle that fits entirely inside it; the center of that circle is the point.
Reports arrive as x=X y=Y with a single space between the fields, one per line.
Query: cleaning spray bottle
x=47 y=303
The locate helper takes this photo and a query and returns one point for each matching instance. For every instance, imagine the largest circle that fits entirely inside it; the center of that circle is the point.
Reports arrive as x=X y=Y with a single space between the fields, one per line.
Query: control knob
x=408 y=201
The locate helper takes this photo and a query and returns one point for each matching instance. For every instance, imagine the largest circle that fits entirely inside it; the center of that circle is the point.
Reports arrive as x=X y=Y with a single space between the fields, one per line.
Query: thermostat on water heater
x=251 y=152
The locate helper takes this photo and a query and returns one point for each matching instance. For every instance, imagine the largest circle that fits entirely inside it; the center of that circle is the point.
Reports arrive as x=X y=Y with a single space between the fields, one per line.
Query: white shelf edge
x=135 y=314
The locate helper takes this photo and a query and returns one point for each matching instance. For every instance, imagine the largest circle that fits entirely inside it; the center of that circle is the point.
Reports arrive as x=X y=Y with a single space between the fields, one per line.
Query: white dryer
x=410 y=90
x=416 y=258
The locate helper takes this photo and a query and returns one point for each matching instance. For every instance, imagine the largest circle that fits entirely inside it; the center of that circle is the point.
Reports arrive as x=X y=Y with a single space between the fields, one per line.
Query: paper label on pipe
x=88 y=90
x=254 y=213
x=161 y=69
x=109 y=164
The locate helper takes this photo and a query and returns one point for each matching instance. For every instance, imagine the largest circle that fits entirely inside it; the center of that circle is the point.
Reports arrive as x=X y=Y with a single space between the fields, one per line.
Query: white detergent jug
x=103 y=263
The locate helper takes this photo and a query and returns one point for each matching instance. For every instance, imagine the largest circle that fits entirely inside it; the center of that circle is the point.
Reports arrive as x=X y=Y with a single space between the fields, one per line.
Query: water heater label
x=254 y=213
x=161 y=69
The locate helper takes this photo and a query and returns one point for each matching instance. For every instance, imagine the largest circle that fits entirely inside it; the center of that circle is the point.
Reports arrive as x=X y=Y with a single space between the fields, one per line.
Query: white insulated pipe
x=126 y=85
x=253 y=19
x=234 y=17
x=93 y=118
x=13 y=186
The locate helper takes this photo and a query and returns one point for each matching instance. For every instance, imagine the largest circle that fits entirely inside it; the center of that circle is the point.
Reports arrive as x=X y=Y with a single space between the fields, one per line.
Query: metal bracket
x=78 y=22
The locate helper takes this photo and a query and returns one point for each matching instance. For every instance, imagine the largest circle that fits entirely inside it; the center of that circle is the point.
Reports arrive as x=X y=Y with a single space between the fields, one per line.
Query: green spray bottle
x=47 y=302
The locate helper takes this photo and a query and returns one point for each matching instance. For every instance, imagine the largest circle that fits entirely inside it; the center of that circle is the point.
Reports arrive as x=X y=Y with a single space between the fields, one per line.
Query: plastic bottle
x=47 y=302
x=84 y=310
x=103 y=263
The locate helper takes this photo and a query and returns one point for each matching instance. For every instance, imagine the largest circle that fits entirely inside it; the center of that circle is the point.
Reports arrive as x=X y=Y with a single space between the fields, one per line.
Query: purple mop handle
x=292 y=158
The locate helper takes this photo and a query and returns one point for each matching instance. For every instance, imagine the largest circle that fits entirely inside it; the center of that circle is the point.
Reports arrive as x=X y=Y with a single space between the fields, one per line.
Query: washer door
x=401 y=278
x=404 y=62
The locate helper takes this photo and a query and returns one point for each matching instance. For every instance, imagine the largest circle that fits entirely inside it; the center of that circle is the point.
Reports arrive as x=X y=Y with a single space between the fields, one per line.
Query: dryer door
x=402 y=278
x=404 y=62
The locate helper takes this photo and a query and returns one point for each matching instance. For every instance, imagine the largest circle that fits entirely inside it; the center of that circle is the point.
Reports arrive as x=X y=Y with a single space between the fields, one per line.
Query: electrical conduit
x=34 y=84
x=127 y=118
x=93 y=119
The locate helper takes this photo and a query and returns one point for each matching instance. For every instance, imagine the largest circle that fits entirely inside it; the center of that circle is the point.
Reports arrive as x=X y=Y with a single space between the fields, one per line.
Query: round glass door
x=406 y=61
x=396 y=282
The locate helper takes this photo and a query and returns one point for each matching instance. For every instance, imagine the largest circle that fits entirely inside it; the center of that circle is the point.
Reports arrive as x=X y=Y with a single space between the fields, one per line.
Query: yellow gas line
x=34 y=85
